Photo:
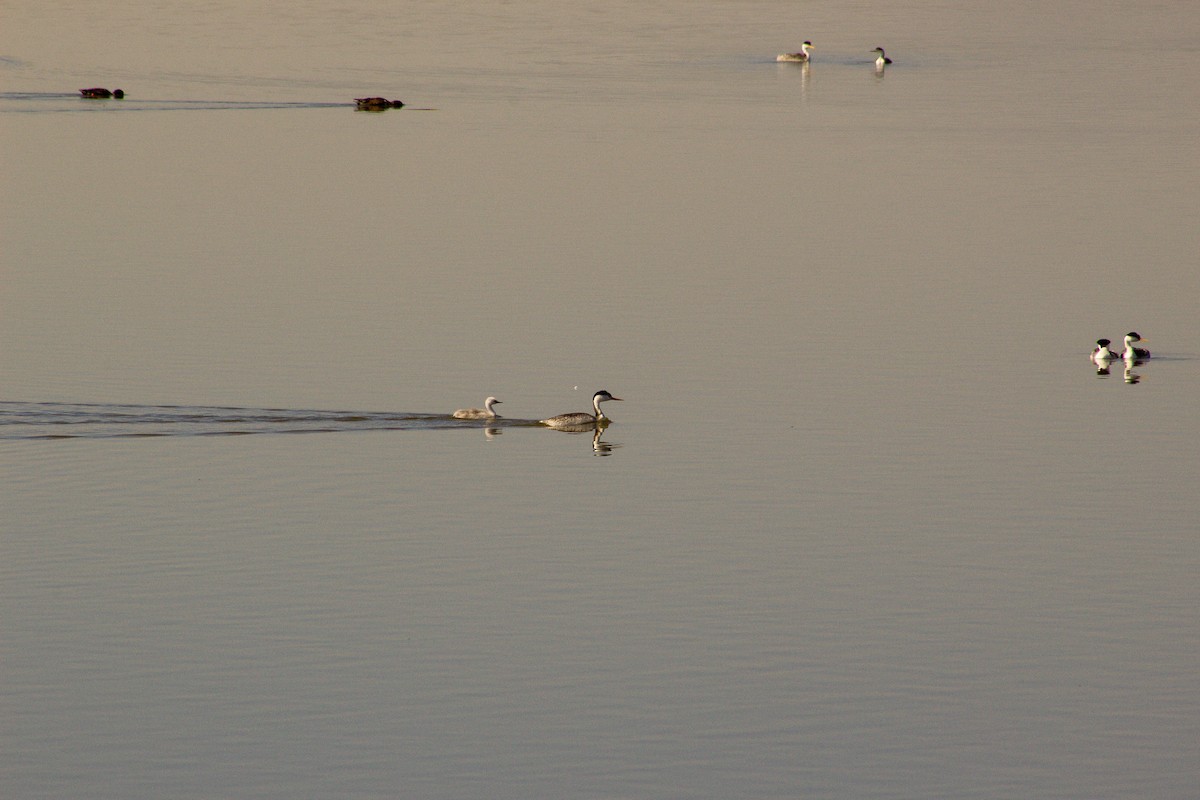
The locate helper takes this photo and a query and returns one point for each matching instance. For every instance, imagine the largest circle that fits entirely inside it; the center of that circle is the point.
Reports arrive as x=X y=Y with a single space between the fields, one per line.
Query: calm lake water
x=868 y=524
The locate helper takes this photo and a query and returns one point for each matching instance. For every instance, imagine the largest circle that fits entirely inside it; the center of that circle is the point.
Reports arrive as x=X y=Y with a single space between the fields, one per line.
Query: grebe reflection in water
x=597 y=429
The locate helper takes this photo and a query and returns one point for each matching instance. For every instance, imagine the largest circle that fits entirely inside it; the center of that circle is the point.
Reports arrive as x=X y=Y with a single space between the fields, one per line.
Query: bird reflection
x=805 y=76
x=491 y=433
x=599 y=448
x=602 y=448
x=1130 y=375
x=1102 y=357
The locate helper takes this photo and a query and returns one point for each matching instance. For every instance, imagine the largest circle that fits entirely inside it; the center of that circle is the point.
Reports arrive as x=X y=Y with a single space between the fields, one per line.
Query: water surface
x=870 y=524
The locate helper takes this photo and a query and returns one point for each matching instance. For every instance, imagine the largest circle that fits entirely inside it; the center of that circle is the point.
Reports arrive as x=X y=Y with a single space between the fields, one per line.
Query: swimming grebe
x=376 y=103
x=1101 y=352
x=582 y=417
x=98 y=92
x=487 y=412
x=1131 y=352
x=801 y=56
x=882 y=59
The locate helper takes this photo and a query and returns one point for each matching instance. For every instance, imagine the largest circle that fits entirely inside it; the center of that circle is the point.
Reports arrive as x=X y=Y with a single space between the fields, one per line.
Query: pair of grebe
x=1102 y=352
x=573 y=420
x=803 y=57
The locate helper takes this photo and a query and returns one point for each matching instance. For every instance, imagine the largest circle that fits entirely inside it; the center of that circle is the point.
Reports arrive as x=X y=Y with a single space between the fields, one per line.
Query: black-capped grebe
x=882 y=60
x=1101 y=352
x=1131 y=352
x=802 y=56
x=582 y=417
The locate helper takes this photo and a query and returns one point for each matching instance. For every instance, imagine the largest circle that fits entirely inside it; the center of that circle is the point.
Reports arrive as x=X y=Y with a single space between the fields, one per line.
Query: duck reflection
x=599 y=447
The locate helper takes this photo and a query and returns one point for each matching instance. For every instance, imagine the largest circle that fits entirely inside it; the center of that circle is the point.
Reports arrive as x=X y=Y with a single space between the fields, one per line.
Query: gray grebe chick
x=582 y=417
x=487 y=412
x=882 y=60
x=1132 y=352
x=1101 y=352
x=802 y=56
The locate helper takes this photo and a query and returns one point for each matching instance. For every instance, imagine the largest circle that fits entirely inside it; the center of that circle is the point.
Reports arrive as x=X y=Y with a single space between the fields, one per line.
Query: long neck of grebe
x=596 y=405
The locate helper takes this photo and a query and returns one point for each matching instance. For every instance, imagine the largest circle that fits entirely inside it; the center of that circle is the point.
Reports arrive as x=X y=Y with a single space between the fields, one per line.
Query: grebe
x=801 y=56
x=487 y=412
x=882 y=60
x=582 y=417
x=1131 y=352
x=1101 y=352
x=98 y=92
x=376 y=103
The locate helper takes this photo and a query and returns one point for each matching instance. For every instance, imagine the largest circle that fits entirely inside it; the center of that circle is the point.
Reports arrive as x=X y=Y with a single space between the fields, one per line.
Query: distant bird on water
x=487 y=412
x=97 y=93
x=1132 y=352
x=579 y=418
x=882 y=60
x=802 y=56
x=1101 y=352
x=376 y=103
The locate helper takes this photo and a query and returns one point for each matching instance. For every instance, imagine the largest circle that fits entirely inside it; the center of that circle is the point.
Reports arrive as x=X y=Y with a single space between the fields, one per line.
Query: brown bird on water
x=376 y=103
x=97 y=93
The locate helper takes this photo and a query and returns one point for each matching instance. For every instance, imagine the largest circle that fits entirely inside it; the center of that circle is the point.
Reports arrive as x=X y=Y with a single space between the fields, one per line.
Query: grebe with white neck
x=582 y=417
x=487 y=412
x=882 y=59
x=1101 y=352
x=802 y=56
x=1132 y=352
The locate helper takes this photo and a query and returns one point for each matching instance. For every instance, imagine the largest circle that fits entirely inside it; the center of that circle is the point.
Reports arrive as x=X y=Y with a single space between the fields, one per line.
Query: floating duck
x=881 y=59
x=376 y=103
x=97 y=93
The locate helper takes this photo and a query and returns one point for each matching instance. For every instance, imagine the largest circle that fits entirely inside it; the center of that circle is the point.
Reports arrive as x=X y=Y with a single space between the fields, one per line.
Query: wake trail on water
x=47 y=420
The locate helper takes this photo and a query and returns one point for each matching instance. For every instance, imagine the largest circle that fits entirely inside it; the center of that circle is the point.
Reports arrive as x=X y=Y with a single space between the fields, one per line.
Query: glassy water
x=869 y=523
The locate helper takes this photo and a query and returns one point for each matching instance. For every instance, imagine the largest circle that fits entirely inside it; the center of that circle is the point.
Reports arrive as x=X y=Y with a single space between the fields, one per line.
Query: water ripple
x=22 y=420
